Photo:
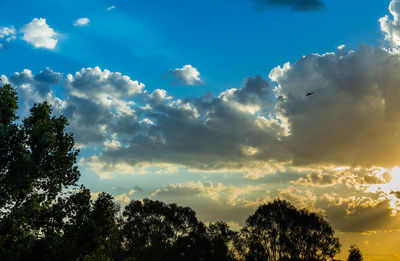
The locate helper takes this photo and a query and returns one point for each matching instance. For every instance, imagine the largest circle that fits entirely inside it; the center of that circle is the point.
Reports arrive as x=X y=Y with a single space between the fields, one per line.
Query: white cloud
x=7 y=32
x=111 y=7
x=39 y=34
x=35 y=88
x=94 y=83
x=391 y=27
x=108 y=97
x=187 y=75
x=82 y=21
x=4 y=79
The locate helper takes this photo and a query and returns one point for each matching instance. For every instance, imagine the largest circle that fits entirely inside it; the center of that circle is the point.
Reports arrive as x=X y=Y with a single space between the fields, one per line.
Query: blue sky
x=203 y=103
x=226 y=40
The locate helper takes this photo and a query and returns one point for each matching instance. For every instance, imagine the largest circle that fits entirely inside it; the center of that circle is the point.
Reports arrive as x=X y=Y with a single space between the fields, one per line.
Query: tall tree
x=279 y=231
x=37 y=160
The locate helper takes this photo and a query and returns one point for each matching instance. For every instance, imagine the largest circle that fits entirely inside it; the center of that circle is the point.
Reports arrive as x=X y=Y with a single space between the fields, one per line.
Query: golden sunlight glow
x=388 y=189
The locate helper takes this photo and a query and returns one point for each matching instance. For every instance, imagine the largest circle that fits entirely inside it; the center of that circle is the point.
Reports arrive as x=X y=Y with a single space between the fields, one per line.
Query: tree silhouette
x=279 y=231
x=37 y=160
x=222 y=238
x=81 y=229
x=153 y=230
x=354 y=254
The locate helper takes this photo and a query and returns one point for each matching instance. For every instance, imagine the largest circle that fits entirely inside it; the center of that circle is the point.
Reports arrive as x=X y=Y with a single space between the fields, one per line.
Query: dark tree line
x=45 y=216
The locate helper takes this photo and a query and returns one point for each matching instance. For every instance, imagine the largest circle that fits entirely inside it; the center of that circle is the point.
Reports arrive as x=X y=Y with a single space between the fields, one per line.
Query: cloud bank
x=352 y=119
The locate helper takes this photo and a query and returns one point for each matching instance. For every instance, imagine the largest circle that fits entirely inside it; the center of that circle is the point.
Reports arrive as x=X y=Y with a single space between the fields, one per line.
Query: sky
x=203 y=103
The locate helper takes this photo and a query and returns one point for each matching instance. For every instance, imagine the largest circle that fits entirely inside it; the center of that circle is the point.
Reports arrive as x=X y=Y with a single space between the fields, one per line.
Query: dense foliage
x=45 y=216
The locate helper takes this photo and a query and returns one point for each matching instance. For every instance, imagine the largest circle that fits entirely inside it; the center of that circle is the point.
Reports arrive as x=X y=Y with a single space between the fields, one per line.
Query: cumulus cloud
x=391 y=27
x=82 y=21
x=39 y=83
x=110 y=8
x=296 y=5
x=94 y=83
x=98 y=105
x=352 y=117
x=40 y=34
x=35 y=88
x=187 y=75
x=230 y=130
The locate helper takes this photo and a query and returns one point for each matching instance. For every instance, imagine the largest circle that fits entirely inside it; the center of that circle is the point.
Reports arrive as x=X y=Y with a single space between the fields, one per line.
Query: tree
x=279 y=231
x=153 y=230
x=37 y=161
x=221 y=237
x=90 y=227
x=354 y=254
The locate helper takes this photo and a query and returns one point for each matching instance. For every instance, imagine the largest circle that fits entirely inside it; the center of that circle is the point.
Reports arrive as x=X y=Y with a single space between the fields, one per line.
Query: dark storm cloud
x=296 y=5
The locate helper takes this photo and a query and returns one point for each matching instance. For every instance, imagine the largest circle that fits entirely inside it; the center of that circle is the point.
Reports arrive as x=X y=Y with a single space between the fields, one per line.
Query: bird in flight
x=309 y=93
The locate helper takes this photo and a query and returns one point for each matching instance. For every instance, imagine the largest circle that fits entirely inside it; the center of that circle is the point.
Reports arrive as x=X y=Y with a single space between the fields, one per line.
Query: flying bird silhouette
x=309 y=93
